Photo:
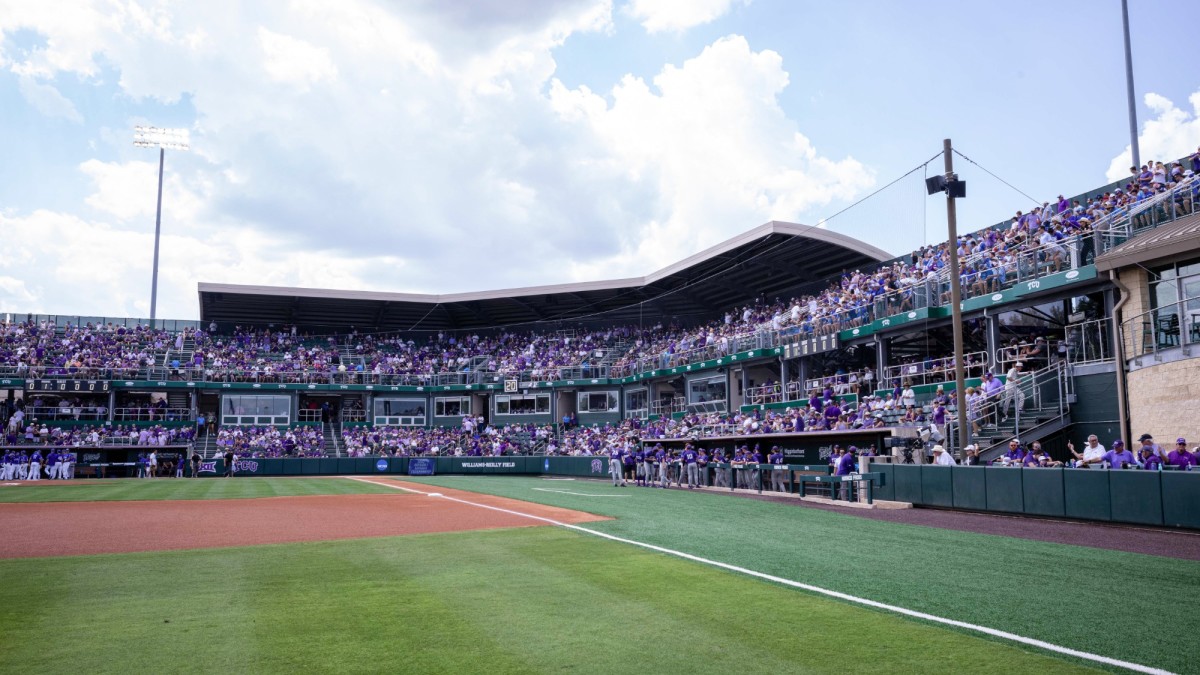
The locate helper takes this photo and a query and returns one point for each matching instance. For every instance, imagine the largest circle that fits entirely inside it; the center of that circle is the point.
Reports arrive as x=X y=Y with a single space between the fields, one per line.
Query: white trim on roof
x=773 y=227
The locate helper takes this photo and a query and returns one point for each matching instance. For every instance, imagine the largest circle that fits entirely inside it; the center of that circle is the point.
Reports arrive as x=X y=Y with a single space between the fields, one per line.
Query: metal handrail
x=936 y=370
x=1162 y=328
x=1090 y=341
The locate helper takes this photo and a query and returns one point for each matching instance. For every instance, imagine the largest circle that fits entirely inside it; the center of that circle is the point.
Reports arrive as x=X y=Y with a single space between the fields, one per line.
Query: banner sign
x=244 y=466
x=381 y=465
x=208 y=467
x=420 y=466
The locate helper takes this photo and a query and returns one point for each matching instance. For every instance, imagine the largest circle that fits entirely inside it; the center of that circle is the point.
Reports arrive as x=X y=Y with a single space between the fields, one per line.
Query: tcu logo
x=1033 y=284
x=597 y=466
x=886 y=322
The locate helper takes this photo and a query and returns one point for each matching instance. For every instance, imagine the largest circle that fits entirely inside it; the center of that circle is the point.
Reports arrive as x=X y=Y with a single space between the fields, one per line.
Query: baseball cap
x=1181 y=441
x=1118 y=443
x=853 y=449
x=1146 y=437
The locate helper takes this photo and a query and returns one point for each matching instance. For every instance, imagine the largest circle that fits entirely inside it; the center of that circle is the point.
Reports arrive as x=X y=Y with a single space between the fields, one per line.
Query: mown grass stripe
x=1005 y=635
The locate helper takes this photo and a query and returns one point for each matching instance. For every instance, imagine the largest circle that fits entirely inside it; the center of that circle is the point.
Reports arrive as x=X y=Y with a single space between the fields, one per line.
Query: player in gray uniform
x=779 y=471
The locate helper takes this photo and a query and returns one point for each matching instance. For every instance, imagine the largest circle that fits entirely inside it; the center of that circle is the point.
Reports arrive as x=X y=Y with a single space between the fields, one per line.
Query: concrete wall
x=1164 y=401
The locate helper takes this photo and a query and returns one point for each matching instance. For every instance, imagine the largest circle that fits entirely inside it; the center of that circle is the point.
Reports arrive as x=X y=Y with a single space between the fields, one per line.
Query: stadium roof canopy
x=774 y=259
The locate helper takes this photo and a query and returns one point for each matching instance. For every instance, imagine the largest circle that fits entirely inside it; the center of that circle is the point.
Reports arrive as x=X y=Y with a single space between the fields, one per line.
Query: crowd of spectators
x=468 y=440
x=268 y=441
x=991 y=258
x=78 y=436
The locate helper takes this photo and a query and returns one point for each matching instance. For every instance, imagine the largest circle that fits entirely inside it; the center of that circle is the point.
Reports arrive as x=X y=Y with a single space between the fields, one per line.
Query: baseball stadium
x=788 y=451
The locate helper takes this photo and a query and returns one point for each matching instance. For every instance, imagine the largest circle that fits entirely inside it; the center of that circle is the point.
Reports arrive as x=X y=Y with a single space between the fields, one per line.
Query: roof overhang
x=1165 y=243
x=769 y=259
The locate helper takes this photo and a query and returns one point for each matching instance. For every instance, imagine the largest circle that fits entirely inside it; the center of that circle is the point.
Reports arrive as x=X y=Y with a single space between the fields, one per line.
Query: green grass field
x=548 y=599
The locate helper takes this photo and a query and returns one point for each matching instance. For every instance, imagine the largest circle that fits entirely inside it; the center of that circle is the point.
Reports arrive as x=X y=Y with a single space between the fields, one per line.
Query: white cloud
x=392 y=143
x=719 y=151
x=294 y=61
x=677 y=15
x=47 y=100
x=1170 y=134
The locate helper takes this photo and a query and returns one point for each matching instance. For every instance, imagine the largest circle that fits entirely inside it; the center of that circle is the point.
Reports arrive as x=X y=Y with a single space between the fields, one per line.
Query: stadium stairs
x=1047 y=410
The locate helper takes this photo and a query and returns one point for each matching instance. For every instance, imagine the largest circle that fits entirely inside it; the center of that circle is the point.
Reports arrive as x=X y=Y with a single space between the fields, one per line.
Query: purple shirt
x=1115 y=459
x=1181 y=458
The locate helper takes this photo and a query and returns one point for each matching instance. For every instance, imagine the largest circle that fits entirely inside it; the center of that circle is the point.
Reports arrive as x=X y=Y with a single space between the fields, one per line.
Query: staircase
x=1047 y=410
x=207 y=445
x=333 y=447
x=181 y=401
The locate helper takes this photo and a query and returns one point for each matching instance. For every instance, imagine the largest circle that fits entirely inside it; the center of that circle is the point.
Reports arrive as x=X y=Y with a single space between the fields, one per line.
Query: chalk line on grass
x=1013 y=637
x=577 y=494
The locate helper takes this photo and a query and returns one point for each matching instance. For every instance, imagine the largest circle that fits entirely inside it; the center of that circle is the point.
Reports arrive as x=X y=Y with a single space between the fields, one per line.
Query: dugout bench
x=849 y=488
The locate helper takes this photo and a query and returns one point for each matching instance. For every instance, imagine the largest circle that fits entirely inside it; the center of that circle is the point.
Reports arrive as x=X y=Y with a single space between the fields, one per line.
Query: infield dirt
x=84 y=528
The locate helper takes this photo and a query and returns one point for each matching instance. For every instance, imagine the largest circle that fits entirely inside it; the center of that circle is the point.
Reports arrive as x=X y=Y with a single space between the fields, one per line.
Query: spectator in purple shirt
x=1150 y=461
x=1180 y=457
x=1119 y=457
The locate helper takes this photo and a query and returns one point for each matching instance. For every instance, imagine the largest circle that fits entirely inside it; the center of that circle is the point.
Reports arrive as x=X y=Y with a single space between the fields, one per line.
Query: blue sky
x=441 y=147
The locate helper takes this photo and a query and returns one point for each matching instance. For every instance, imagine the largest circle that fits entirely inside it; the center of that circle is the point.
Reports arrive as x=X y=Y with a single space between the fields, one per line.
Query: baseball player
x=35 y=466
x=688 y=463
x=721 y=475
x=779 y=471
x=664 y=467
x=53 y=460
x=615 y=465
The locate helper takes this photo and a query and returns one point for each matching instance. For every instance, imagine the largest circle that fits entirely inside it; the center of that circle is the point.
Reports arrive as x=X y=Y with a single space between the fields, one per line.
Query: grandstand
x=1096 y=296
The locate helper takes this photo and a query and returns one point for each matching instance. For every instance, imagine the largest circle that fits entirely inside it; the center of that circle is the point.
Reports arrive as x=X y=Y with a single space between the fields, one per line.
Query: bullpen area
x=519 y=574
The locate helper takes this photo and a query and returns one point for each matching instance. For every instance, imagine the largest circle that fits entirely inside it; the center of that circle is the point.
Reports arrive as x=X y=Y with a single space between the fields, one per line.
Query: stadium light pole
x=155 y=137
x=1133 y=139
x=954 y=188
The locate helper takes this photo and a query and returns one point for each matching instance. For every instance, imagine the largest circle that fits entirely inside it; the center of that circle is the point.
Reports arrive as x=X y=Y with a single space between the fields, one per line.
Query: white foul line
x=1033 y=642
x=578 y=494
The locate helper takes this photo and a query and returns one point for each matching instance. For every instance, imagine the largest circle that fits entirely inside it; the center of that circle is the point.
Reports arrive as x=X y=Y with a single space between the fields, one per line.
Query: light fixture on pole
x=954 y=189
x=155 y=137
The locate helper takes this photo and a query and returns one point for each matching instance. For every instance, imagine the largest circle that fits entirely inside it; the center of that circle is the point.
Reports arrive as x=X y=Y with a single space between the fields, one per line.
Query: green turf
x=533 y=600
x=1090 y=599
x=129 y=489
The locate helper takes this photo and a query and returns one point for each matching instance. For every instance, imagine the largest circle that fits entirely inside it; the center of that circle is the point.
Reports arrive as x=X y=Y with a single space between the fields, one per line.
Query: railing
x=1117 y=227
x=305 y=415
x=150 y=414
x=775 y=393
x=1090 y=341
x=353 y=415
x=71 y=413
x=1040 y=394
x=666 y=408
x=1173 y=326
x=931 y=371
x=63 y=320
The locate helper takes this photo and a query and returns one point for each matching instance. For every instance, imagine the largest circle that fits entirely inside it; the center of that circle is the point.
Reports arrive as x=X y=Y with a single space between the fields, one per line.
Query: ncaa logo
x=1072 y=274
x=381 y=465
x=997 y=297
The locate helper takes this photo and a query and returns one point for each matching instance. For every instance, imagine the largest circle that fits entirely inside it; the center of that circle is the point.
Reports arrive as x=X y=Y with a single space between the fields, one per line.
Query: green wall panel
x=886 y=492
x=1043 y=489
x=1004 y=490
x=937 y=488
x=908 y=483
x=1136 y=497
x=293 y=467
x=970 y=487
x=1181 y=498
x=1087 y=494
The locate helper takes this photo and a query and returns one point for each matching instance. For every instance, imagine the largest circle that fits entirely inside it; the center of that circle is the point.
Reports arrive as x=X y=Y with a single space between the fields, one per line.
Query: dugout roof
x=774 y=259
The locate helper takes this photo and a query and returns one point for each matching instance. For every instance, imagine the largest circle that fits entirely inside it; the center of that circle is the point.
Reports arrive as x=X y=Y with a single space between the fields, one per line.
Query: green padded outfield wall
x=970 y=487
